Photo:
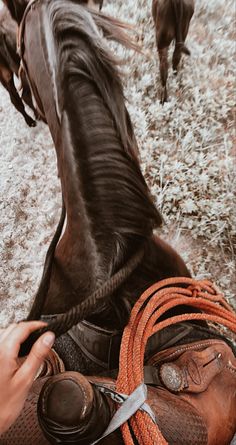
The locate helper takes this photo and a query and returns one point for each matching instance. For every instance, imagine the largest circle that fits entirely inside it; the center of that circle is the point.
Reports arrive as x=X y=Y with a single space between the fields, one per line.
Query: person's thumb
x=38 y=353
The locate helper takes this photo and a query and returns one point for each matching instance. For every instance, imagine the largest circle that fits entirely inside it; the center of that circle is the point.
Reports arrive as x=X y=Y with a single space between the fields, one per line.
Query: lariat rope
x=153 y=304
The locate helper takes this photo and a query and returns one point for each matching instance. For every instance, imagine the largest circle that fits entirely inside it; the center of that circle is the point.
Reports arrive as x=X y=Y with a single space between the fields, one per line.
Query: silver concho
x=171 y=376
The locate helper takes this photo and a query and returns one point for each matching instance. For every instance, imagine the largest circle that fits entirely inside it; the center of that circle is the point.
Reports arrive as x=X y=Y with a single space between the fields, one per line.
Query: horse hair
x=92 y=95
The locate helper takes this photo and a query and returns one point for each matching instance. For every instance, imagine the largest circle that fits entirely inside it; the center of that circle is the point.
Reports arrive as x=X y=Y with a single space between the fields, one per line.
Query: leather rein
x=23 y=65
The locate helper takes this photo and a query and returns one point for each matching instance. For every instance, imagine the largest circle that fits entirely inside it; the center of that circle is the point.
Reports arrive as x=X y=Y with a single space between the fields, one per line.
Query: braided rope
x=154 y=303
x=63 y=322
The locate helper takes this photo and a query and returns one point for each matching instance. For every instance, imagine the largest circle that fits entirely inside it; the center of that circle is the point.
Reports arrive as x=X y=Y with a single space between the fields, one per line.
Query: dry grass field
x=187 y=149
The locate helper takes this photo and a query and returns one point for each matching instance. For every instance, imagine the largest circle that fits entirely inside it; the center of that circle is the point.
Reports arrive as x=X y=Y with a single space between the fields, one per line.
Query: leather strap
x=21 y=50
x=99 y=345
x=129 y=406
x=102 y=346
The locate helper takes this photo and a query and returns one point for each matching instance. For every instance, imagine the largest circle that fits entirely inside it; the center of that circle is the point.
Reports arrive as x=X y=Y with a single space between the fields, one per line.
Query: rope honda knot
x=195 y=289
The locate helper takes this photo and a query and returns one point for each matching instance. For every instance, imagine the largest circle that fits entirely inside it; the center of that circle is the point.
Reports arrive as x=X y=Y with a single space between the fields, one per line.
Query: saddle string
x=144 y=322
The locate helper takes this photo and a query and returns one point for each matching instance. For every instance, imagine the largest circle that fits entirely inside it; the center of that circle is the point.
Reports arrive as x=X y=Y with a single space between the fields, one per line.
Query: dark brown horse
x=10 y=64
x=110 y=217
x=171 y=19
x=109 y=211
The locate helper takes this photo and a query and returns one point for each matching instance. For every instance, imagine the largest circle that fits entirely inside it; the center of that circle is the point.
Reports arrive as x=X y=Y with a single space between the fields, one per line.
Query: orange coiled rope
x=153 y=303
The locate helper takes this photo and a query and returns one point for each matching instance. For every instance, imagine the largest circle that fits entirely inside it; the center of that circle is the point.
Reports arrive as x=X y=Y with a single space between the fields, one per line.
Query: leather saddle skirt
x=192 y=395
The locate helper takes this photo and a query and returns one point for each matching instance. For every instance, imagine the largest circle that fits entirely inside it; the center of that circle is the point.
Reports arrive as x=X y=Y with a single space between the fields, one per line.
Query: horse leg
x=163 y=56
x=6 y=78
x=179 y=49
x=95 y=4
x=176 y=57
x=26 y=94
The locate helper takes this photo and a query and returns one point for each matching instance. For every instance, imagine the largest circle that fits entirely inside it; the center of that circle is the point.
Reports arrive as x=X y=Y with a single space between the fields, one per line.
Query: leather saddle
x=191 y=391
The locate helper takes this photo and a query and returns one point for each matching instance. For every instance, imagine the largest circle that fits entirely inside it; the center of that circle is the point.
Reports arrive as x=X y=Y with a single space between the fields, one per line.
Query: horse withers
x=171 y=19
x=10 y=64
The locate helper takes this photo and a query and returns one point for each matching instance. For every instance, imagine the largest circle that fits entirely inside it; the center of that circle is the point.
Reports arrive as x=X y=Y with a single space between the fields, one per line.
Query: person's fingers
x=39 y=351
x=20 y=332
x=5 y=332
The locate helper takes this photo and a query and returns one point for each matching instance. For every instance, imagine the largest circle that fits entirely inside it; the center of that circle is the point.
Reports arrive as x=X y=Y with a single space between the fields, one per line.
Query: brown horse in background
x=10 y=64
x=171 y=19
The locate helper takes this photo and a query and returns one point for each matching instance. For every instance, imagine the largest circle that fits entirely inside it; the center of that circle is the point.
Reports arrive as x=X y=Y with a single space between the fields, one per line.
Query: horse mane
x=73 y=23
x=86 y=64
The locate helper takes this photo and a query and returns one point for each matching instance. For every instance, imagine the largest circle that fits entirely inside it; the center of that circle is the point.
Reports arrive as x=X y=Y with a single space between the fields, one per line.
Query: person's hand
x=15 y=379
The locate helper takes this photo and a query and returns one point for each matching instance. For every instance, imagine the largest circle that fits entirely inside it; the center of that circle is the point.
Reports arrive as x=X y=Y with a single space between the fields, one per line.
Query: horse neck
x=109 y=210
x=90 y=149
x=94 y=169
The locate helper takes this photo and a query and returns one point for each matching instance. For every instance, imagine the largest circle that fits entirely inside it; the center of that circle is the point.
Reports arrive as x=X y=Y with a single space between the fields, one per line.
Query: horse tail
x=178 y=9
